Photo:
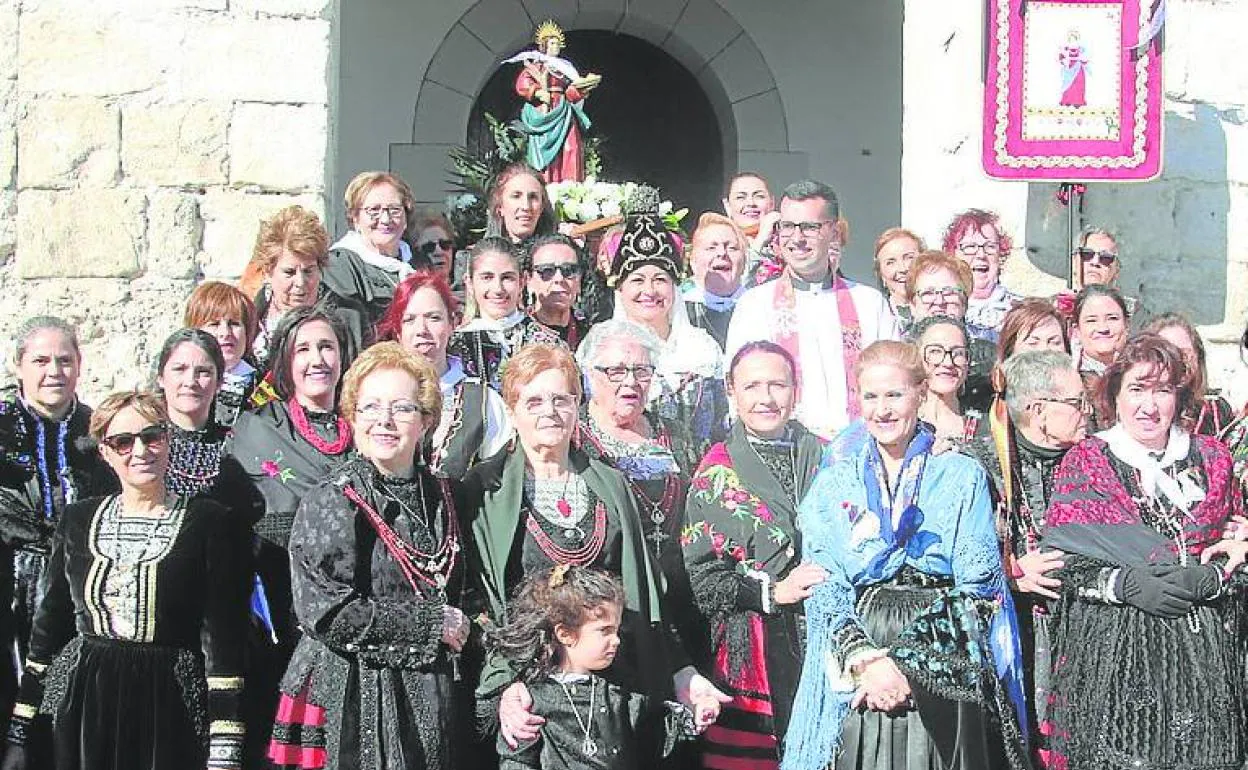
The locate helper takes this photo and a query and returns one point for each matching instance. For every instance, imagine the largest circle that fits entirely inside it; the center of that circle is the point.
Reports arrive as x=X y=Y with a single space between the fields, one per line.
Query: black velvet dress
x=372 y=661
x=592 y=724
x=137 y=665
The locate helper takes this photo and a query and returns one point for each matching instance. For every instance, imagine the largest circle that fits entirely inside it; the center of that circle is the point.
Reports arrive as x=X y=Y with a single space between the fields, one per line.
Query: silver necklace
x=588 y=746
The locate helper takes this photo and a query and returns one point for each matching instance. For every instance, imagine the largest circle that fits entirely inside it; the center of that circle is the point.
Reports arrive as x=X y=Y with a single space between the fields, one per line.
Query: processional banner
x=1073 y=90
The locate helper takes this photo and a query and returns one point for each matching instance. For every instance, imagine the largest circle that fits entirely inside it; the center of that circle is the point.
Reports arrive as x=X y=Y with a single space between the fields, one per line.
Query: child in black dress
x=564 y=629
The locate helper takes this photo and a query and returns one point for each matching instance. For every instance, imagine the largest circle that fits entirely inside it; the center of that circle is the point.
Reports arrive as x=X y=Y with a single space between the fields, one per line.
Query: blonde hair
x=145 y=402
x=903 y=355
x=363 y=183
x=533 y=359
x=391 y=356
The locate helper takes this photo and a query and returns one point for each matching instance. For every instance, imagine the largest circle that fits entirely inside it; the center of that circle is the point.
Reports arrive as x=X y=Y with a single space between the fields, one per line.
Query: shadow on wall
x=1172 y=232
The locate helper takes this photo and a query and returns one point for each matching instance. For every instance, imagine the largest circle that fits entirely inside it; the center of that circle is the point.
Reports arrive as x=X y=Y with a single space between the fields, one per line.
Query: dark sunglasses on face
x=123 y=443
x=439 y=245
x=547 y=272
x=1105 y=258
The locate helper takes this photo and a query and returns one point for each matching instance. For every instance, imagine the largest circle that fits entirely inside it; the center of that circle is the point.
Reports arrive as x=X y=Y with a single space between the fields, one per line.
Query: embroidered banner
x=1073 y=90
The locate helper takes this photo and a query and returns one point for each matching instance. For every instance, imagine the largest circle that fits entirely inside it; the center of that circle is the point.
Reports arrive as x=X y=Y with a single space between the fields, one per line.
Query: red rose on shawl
x=701 y=483
x=717 y=542
x=271 y=468
x=737 y=552
x=764 y=513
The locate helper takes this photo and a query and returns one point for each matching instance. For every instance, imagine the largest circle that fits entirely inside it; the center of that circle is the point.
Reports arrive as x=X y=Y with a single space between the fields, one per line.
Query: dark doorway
x=656 y=123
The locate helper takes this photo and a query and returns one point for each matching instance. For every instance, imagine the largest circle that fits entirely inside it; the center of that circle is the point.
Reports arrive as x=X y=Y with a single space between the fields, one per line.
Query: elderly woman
x=653 y=454
x=938 y=285
x=1209 y=414
x=1044 y=414
x=291 y=252
x=495 y=326
x=138 y=663
x=556 y=267
x=645 y=270
x=717 y=256
x=44 y=466
x=285 y=449
x=942 y=341
x=188 y=375
x=1156 y=631
x=230 y=317
x=544 y=502
x=473 y=424
x=369 y=261
x=435 y=243
x=743 y=552
x=895 y=251
x=914 y=577
x=519 y=208
x=1100 y=327
x=976 y=237
x=378 y=576
x=1097 y=259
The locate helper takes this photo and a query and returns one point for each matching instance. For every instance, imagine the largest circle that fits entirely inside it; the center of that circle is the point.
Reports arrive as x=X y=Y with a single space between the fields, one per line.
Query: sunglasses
x=569 y=271
x=1104 y=258
x=438 y=245
x=123 y=443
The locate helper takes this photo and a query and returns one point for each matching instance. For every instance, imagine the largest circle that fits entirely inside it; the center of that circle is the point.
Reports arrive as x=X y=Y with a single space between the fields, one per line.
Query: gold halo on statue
x=548 y=30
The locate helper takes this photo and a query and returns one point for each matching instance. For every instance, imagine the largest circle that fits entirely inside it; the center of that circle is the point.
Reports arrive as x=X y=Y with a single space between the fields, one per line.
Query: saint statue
x=553 y=115
x=1073 y=58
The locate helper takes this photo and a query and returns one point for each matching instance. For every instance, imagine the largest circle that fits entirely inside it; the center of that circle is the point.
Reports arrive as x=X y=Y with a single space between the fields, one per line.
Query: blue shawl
x=940 y=522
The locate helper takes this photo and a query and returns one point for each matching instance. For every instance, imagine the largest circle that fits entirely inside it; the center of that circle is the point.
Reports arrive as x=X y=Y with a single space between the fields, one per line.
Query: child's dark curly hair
x=560 y=596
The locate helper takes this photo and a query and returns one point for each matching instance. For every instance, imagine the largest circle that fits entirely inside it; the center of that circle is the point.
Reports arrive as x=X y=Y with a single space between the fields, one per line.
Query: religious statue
x=1073 y=59
x=553 y=115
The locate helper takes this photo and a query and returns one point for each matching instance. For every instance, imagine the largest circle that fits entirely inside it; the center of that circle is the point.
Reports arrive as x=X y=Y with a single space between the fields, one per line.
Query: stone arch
x=699 y=34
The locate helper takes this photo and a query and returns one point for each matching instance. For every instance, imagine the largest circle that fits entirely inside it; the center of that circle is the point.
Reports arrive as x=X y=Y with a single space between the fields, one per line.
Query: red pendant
x=565 y=510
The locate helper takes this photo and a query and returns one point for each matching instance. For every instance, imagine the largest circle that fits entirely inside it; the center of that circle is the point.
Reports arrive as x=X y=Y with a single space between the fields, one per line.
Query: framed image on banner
x=1073 y=91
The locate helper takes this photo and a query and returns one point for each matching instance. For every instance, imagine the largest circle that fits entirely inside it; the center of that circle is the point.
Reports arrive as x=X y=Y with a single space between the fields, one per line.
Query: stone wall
x=1183 y=236
x=140 y=145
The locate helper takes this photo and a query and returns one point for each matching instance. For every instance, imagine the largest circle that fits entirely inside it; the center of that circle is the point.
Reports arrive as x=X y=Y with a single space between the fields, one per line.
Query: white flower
x=590 y=211
x=611 y=209
x=571 y=211
x=665 y=208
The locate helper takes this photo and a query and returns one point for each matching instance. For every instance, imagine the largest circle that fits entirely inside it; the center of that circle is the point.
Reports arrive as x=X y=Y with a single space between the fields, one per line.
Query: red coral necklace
x=299 y=418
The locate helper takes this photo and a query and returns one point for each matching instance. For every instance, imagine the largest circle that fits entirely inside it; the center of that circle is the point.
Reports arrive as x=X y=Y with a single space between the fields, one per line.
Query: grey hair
x=616 y=329
x=1092 y=230
x=1030 y=375
x=32 y=326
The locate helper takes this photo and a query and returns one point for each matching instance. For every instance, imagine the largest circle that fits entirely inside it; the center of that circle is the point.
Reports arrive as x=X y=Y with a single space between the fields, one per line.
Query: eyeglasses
x=971 y=249
x=1102 y=258
x=935 y=355
x=1079 y=402
x=940 y=294
x=123 y=443
x=568 y=270
x=393 y=212
x=808 y=229
x=562 y=402
x=640 y=372
x=429 y=247
x=402 y=412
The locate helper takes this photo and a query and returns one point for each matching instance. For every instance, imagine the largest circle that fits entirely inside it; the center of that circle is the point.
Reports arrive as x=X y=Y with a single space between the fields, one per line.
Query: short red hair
x=390 y=327
x=975 y=220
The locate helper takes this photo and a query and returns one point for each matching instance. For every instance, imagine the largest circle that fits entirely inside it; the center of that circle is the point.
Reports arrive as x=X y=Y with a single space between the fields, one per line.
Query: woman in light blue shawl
x=912 y=656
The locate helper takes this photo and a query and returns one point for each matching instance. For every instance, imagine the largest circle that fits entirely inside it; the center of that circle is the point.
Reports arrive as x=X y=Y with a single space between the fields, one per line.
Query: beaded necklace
x=299 y=418
x=657 y=509
x=62 y=461
x=577 y=557
x=433 y=569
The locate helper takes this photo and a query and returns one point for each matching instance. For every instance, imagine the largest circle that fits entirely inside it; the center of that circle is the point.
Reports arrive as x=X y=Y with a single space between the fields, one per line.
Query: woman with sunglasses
x=474 y=422
x=284 y=449
x=1097 y=259
x=495 y=326
x=139 y=664
x=555 y=268
x=435 y=243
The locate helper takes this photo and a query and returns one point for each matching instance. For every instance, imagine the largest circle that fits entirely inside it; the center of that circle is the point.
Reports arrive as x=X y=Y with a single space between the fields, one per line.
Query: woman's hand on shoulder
x=516 y=720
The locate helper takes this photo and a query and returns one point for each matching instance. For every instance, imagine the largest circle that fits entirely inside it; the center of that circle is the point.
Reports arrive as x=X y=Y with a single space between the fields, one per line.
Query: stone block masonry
x=140 y=146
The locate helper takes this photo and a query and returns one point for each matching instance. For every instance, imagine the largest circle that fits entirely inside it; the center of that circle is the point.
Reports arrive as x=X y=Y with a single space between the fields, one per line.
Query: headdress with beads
x=645 y=240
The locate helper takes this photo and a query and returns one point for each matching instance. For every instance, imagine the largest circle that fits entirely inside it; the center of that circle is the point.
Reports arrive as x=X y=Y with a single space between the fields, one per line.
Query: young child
x=564 y=629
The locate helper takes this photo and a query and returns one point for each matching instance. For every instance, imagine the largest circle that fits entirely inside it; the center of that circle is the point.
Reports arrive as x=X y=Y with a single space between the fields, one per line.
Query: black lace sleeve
x=334 y=600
